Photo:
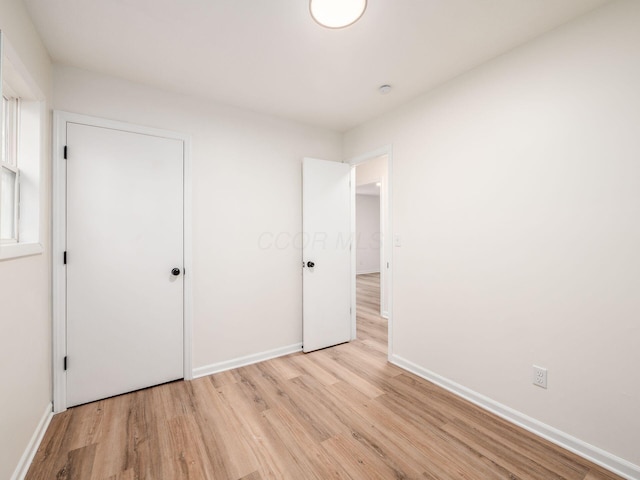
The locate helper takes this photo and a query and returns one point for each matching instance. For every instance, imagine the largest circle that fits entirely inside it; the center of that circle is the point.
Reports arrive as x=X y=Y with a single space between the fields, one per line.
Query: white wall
x=367 y=234
x=517 y=199
x=246 y=181
x=25 y=319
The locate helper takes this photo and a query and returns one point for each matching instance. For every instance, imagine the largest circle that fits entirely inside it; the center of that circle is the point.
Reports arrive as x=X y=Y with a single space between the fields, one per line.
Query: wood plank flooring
x=339 y=413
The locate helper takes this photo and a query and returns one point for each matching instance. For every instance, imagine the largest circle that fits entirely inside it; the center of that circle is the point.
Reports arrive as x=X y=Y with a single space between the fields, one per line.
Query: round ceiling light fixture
x=384 y=89
x=337 y=13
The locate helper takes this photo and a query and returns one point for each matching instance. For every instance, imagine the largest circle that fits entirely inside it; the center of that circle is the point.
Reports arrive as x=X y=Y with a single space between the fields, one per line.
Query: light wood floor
x=339 y=413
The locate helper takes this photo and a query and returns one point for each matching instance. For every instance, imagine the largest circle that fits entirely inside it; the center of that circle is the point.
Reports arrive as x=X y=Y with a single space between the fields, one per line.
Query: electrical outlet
x=540 y=376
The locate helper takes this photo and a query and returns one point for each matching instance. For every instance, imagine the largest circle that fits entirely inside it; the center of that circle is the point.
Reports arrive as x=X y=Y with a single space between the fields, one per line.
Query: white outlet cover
x=539 y=376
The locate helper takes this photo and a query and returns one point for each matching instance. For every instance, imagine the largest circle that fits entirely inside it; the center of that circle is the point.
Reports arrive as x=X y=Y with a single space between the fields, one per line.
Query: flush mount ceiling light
x=337 y=13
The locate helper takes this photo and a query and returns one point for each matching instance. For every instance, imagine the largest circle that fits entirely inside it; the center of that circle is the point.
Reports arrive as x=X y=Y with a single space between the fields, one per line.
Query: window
x=9 y=172
x=22 y=125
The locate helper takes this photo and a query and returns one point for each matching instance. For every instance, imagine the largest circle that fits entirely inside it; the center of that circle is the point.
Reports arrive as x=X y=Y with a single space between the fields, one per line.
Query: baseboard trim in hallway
x=594 y=454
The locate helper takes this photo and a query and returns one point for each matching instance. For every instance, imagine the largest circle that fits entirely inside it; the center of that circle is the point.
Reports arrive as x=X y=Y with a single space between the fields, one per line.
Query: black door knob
x=175 y=272
x=311 y=264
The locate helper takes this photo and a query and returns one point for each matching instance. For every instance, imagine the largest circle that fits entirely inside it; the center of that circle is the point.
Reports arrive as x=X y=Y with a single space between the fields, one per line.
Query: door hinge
x=64 y=258
x=65 y=152
x=65 y=363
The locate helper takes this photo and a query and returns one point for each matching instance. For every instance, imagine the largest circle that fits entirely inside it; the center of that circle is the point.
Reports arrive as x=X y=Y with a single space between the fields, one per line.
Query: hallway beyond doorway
x=371 y=327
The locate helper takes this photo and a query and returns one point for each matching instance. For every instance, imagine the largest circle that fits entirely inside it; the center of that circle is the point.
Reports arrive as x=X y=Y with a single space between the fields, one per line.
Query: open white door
x=326 y=253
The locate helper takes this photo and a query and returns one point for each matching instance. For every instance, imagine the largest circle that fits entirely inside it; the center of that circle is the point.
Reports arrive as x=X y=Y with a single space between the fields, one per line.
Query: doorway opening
x=371 y=257
x=369 y=321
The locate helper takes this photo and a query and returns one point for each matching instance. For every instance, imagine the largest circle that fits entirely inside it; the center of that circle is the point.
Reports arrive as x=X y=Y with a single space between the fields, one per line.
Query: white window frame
x=9 y=157
x=27 y=147
x=14 y=239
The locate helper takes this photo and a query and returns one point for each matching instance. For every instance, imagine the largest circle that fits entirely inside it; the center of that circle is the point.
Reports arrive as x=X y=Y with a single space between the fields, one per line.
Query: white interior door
x=124 y=238
x=326 y=254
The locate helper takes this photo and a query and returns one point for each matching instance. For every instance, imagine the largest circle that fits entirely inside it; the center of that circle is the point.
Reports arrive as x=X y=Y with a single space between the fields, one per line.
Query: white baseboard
x=367 y=271
x=33 y=445
x=594 y=454
x=247 y=360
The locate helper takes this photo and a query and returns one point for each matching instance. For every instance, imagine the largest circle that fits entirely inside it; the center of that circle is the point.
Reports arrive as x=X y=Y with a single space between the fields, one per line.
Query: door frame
x=387 y=242
x=59 y=288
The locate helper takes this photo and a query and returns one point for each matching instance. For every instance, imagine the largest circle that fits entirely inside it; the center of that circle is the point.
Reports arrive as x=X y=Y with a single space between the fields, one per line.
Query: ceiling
x=269 y=56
